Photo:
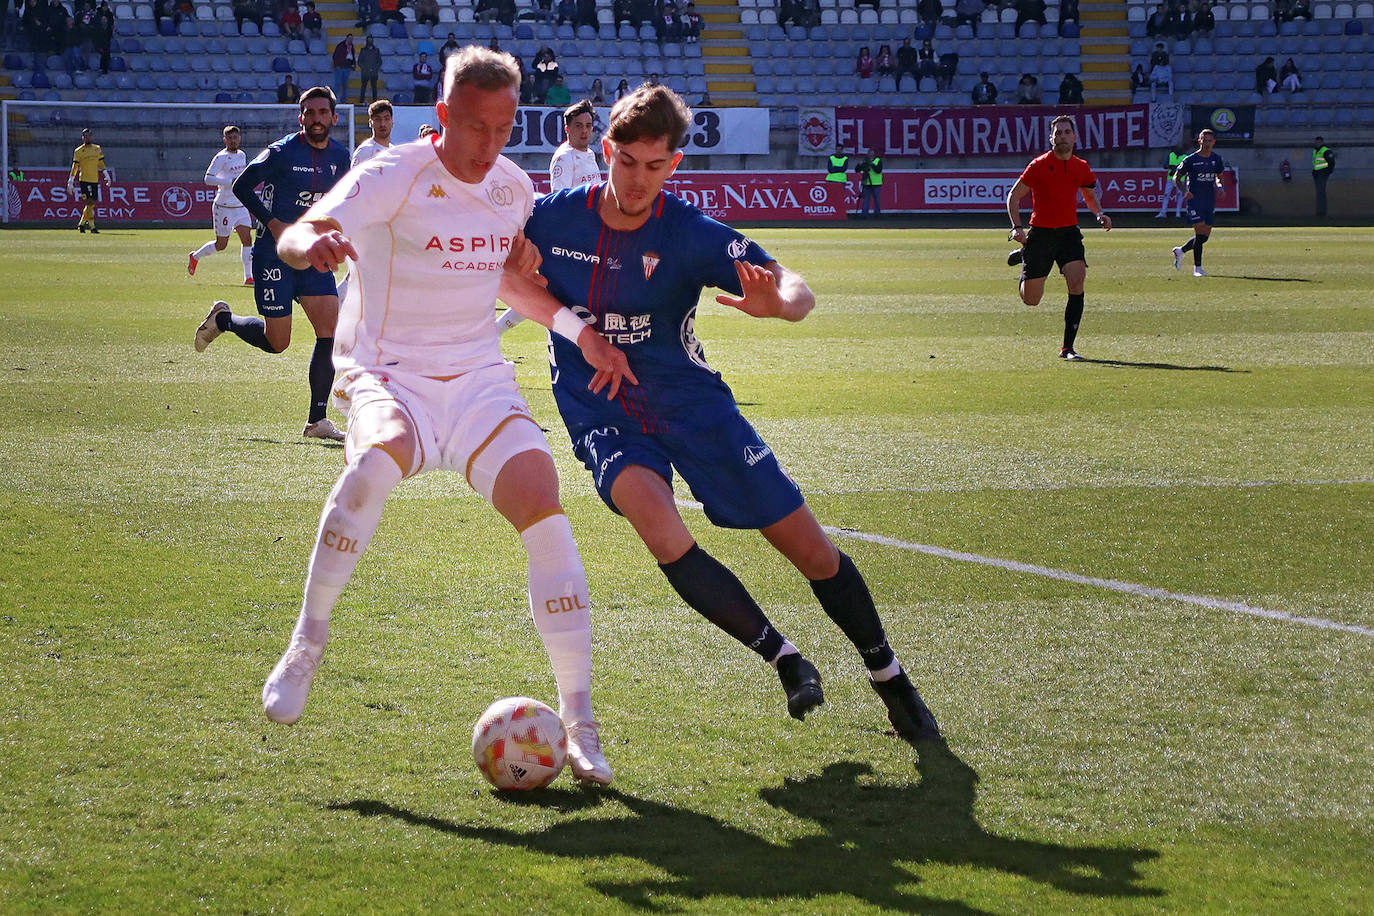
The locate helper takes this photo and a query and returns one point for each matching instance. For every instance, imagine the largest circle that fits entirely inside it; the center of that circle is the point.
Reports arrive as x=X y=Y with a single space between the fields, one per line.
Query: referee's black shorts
x=1048 y=247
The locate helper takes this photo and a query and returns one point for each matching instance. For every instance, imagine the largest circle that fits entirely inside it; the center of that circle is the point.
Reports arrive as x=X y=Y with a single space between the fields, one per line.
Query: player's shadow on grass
x=870 y=842
x=1172 y=366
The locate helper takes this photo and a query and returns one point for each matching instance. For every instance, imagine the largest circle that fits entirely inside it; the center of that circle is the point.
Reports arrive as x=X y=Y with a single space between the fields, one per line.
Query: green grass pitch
x=1108 y=751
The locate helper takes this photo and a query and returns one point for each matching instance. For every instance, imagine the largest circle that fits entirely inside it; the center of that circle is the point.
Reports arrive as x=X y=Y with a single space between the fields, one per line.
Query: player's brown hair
x=1060 y=118
x=378 y=107
x=231 y=129
x=580 y=107
x=648 y=113
x=318 y=92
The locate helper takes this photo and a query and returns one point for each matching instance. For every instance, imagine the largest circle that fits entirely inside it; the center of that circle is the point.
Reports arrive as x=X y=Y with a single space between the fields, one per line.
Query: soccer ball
x=519 y=744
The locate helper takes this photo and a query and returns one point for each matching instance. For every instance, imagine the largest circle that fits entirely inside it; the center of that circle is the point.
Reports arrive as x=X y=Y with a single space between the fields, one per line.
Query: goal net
x=156 y=155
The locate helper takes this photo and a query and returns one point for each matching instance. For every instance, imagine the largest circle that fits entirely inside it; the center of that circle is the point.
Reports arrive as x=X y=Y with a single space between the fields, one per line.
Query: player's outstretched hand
x=525 y=259
x=329 y=250
x=611 y=365
x=759 y=286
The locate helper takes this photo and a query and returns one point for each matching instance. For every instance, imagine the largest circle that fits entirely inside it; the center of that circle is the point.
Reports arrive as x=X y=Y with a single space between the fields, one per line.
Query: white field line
x=1064 y=575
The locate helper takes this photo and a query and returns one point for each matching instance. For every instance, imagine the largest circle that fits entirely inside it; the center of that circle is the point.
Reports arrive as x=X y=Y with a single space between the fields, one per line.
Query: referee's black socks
x=1073 y=313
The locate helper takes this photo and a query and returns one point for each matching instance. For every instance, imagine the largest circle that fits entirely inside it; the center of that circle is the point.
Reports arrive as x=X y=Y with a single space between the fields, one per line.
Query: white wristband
x=567 y=324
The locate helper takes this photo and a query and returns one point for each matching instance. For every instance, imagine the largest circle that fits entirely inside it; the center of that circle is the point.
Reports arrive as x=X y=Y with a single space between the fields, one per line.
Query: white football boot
x=584 y=754
x=1178 y=258
x=284 y=694
x=323 y=429
x=1199 y=272
x=208 y=329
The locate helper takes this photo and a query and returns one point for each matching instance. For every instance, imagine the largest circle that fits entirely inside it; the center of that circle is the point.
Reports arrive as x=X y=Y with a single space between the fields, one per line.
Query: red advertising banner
x=755 y=196
x=992 y=130
x=973 y=191
x=42 y=196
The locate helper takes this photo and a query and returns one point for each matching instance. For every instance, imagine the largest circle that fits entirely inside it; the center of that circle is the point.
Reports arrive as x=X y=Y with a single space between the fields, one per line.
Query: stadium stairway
x=729 y=72
x=1105 y=53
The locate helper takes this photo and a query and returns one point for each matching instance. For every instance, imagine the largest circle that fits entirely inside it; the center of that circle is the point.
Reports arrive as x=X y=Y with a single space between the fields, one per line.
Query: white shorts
x=227 y=219
x=472 y=424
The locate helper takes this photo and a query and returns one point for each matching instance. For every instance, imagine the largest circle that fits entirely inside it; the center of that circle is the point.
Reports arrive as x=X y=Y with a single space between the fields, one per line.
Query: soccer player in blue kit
x=294 y=172
x=632 y=260
x=1199 y=176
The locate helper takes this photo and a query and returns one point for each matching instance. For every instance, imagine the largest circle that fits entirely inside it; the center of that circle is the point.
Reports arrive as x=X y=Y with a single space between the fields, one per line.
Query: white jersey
x=570 y=168
x=224 y=168
x=366 y=150
x=431 y=251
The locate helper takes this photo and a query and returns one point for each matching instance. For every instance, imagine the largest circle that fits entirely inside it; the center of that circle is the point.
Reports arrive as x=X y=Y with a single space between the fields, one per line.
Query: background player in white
x=379 y=118
x=428 y=228
x=573 y=163
x=227 y=212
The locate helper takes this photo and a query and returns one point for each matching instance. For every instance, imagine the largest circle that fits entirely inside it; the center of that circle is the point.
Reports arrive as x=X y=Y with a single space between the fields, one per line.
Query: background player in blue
x=294 y=172
x=632 y=261
x=1199 y=175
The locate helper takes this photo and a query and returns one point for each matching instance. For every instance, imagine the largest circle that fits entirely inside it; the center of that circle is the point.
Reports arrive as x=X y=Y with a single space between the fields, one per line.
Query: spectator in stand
x=949 y=65
x=558 y=95
x=1161 y=73
x=597 y=94
x=1029 y=11
x=345 y=61
x=586 y=15
x=623 y=11
x=292 y=26
x=669 y=22
x=187 y=10
x=883 y=62
x=368 y=13
x=1180 y=21
x=485 y=11
x=644 y=11
x=389 y=11
x=1266 y=76
x=1203 y=19
x=1028 y=90
x=426 y=11
x=908 y=63
x=447 y=48
x=313 y=22
x=1158 y=22
x=1289 y=77
x=1288 y=10
x=422 y=79
x=1068 y=12
x=968 y=12
x=929 y=64
x=984 y=93
x=1139 y=78
x=567 y=12
x=691 y=23
x=929 y=12
x=622 y=89
x=809 y=16
x=288 y=93
x=162 y=9
x=370 y=67
x=545 y=71
x=104 y=34
x=1070 y=90
x=863 y=66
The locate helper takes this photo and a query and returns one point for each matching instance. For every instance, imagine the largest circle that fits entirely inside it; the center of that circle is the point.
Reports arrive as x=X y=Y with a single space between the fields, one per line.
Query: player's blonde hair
x=481 y=68
x=648 y=113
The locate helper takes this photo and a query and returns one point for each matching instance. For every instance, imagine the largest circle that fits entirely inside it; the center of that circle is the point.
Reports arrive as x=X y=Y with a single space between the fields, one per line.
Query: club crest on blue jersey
x=651 y=260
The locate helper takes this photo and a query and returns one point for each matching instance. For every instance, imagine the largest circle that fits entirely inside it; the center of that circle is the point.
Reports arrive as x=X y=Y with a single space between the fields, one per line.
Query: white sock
x=787 y=649
x=507 y=320
x=204 y=251
x=562 y=612
x=893 y=669
x=246 y=256
x=350 y=518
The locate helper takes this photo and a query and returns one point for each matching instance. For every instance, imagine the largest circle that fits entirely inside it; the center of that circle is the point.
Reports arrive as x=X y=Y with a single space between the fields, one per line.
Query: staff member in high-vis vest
x=88 y=164
x=870 y=171
x=1171 y=191
x=836 y=166
x=1323 y=162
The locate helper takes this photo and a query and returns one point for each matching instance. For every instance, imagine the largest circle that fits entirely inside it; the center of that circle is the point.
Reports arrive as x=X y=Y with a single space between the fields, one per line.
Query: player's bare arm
x=318 y=245
x=522 y=293
x=1095 y=208
x=1014 y=196
x=771 y=291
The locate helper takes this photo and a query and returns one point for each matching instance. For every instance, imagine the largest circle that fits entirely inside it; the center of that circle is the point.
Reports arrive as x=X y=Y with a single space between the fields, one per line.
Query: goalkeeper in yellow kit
x=88 y=164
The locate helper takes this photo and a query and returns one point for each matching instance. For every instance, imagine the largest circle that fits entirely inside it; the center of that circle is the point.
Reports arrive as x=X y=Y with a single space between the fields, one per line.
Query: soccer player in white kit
x=380 y=118
x=228 y=212
x=573 y=164
x=428 y=228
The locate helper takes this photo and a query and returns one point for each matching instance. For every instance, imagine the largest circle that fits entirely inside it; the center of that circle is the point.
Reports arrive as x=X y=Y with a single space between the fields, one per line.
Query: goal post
x=156 y=155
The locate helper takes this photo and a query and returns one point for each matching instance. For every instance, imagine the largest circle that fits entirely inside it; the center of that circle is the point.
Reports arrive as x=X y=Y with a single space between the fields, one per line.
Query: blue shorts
x=730 y=470
x=1200 y=212
x=276 y=284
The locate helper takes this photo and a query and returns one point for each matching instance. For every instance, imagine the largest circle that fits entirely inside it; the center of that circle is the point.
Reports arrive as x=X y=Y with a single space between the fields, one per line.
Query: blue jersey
x=293 y=175
x=1201 y=174
x=641 y=290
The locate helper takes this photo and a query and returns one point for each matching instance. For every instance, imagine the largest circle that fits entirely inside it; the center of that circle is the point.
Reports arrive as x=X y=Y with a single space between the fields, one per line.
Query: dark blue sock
x=714 y=592
x=847 y=601
x=250 y=330
x=321 y=377
x=1197 y=249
